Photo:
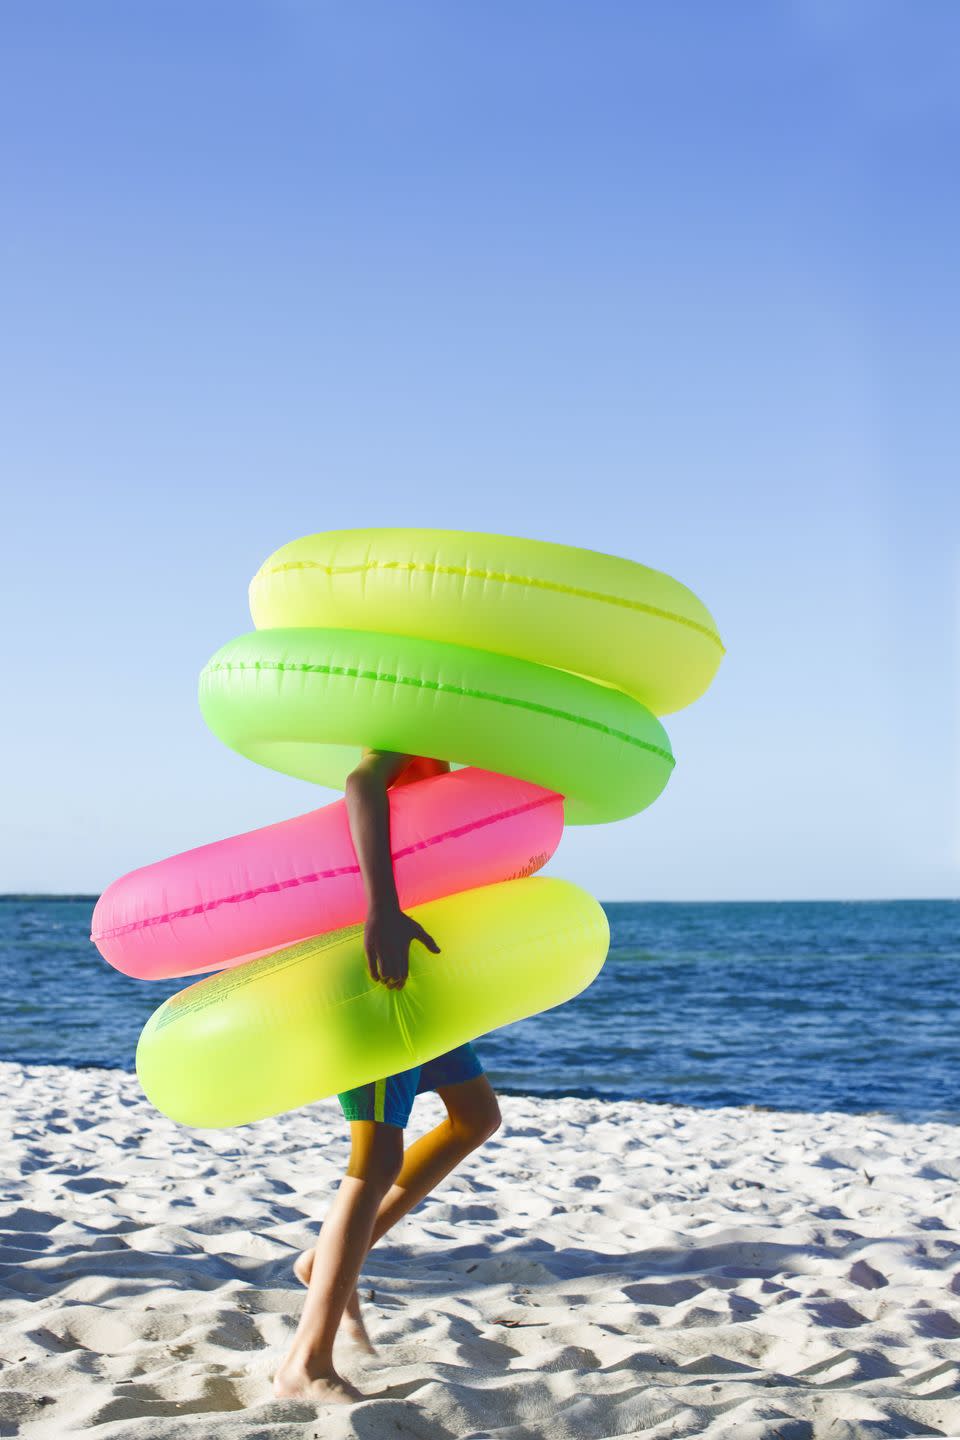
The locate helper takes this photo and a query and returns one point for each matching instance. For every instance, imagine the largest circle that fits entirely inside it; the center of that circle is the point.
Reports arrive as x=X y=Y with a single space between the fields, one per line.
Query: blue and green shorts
x=391 y=1100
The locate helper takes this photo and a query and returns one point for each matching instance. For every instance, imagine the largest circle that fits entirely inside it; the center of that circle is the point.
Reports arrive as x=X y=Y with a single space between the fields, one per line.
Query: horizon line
x=13 y=895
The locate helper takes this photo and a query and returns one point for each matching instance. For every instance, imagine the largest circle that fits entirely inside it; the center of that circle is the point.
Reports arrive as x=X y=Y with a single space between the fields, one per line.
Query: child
x=382 y=1181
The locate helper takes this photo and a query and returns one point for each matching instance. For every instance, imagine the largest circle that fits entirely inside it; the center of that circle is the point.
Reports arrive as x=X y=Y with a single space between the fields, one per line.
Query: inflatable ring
x=307 y=701
x=598 y=615
x=221 y=904
x=308 y=1022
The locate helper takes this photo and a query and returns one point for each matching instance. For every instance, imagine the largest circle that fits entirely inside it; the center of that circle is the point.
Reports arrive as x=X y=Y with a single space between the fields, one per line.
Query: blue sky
x=672 y=281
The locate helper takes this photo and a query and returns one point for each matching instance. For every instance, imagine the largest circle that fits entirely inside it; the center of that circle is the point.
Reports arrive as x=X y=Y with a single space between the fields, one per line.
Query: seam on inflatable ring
x=456 y=833
x=585 y=927
x=350 y=672
x=505 y=578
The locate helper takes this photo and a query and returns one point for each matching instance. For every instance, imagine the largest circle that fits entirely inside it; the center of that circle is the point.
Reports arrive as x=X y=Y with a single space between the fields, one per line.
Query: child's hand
x=387 y=935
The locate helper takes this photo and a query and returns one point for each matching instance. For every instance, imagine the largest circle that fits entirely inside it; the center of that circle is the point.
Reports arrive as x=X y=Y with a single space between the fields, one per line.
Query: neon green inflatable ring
x=306 y=701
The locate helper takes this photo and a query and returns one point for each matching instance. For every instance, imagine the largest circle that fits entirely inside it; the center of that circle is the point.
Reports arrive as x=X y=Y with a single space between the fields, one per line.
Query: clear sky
x=676 y=281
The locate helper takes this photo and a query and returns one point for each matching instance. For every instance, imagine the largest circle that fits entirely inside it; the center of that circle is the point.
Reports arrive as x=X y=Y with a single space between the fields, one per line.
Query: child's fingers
x=393 y=968
x=400 y=968
x=427 y=940
x=372 y=961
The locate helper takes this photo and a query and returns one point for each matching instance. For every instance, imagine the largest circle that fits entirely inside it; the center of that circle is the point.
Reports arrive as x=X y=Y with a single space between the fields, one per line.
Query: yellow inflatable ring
x=610 y=619
x=308 y=1021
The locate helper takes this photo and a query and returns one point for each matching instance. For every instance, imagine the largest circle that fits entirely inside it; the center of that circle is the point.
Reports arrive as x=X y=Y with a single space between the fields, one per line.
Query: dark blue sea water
x=812 y=1006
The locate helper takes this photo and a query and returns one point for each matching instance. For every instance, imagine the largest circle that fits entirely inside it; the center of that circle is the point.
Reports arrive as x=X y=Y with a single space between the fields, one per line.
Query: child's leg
x=375 y=1162
x=473 y=1115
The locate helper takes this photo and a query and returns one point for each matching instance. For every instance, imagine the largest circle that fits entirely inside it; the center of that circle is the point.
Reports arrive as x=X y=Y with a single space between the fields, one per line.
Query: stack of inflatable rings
x=541 y=668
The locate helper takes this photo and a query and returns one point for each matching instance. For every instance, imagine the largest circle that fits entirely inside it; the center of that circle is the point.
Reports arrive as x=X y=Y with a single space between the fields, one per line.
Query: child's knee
x=491 y=1120
x=477 y=1123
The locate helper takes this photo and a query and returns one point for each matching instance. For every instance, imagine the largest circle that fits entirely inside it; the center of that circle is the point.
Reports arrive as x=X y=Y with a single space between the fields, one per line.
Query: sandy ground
x=595 y=1270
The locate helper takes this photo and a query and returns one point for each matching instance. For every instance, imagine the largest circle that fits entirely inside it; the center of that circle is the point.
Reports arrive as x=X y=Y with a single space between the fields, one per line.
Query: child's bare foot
x=352 y=1323
x=293 y=1381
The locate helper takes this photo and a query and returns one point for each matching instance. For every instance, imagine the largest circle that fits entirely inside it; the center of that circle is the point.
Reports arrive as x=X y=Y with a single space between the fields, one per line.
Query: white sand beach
x=595 y=1270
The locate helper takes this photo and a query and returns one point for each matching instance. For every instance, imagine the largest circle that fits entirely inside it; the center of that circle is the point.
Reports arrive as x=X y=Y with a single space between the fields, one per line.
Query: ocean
x=797 y=1005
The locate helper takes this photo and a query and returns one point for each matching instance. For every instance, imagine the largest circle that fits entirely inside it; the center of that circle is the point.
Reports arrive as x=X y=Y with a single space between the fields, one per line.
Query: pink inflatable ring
x=219 y=905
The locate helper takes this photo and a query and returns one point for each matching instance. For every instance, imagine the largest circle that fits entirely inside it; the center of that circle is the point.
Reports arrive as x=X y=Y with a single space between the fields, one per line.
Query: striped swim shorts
x=391 y=1100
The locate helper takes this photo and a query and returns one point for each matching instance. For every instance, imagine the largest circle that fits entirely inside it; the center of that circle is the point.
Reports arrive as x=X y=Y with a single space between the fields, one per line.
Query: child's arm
x=387 y=932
